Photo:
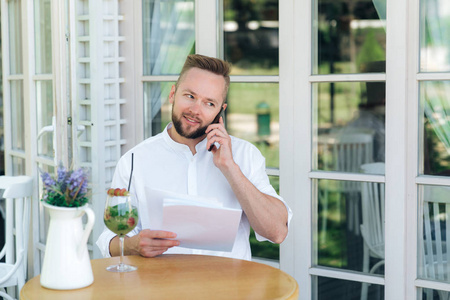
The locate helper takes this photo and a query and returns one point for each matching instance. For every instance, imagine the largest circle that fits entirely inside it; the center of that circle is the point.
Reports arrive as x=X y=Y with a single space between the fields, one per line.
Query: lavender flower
x=76 y=183
x=61 y=173
x=69 y=188
x=47 y=179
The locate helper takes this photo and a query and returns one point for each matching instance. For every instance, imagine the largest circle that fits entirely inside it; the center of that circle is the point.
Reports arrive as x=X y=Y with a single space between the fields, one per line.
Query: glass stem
x=121 y=238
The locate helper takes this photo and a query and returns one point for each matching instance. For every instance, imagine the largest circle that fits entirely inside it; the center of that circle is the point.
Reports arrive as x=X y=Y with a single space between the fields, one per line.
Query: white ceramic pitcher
x=66 y=261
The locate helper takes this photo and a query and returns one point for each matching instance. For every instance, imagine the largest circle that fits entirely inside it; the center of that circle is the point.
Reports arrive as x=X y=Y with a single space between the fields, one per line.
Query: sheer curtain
x=168 y=37
x=435 y=57
x=437 y=110
x=380 y=6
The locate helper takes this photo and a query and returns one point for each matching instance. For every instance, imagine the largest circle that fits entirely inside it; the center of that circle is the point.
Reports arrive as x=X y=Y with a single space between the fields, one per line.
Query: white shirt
x=162 y=163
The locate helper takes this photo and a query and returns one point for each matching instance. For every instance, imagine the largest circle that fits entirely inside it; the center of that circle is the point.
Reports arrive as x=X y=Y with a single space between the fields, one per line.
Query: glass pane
x=350 y=221
x=266 y=249
x=44 y=97
x=275 y=182
x=435 y=30
x=435 y=109
x=350 y=118
x=17 y=115
x=15 y=36
x=429 y=294
x=434 y=233
x=349 y=36
x=255 y=119
x=330 y=288
x=18 y=166
x=251 y=36
x=43 y=213
x=43 y=31
x=157 y=109
x=168 y=34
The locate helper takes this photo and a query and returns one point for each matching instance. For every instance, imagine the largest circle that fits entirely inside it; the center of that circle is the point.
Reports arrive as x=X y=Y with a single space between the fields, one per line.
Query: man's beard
x=193 y=135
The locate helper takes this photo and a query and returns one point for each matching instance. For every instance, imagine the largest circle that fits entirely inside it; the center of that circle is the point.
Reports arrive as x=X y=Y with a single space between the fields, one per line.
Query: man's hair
x=211 y=64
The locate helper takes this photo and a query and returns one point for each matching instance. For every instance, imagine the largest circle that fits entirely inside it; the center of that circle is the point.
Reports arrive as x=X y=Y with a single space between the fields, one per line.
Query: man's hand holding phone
x=216 y=133
x=216 y=121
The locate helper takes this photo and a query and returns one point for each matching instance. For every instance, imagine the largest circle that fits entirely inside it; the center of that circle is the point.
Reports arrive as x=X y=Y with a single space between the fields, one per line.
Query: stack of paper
x=200 y=225
x=199 y=222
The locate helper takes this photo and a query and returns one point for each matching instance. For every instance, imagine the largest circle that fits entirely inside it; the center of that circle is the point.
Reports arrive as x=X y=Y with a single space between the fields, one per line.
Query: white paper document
x=200 y=223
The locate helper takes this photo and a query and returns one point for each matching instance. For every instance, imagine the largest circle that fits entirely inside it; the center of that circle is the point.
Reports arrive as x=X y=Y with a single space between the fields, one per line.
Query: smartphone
x=216 y=121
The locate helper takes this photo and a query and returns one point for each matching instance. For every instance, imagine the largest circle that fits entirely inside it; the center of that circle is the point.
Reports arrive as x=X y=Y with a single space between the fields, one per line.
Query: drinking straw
x=132 y=158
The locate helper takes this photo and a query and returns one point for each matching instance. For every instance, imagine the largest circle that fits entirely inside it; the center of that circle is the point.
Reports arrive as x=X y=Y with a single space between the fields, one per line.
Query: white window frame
x=414 y=179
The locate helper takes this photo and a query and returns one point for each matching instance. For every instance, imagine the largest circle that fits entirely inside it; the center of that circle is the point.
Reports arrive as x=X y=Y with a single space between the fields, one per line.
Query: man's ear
x=172 y=94
x=224 y=106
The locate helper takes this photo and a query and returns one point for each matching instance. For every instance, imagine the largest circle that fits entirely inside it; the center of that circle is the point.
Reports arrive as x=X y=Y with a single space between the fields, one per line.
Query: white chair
x=17 y=193
x=436 y=237
x=372 y=227
x=344 y=152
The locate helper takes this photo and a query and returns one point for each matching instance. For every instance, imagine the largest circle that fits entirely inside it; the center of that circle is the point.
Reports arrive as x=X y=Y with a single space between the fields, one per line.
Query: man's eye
x=210 y=104
x=190 y=96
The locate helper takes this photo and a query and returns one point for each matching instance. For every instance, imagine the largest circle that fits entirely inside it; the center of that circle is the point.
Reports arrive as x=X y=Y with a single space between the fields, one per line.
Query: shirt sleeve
x=103 y=241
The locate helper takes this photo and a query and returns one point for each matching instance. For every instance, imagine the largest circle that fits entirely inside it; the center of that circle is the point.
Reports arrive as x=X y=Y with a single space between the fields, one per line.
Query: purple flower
x=65 y=188
x=47 y=179
x=61 y=173
x=77 y=183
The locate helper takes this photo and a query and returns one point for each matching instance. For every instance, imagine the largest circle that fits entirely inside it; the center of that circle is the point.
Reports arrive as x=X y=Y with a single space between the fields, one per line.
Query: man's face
x=196 y=102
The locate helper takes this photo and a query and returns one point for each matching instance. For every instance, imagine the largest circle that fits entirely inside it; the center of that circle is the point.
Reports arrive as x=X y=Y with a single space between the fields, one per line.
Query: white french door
x=331 y=53
x=37 y=97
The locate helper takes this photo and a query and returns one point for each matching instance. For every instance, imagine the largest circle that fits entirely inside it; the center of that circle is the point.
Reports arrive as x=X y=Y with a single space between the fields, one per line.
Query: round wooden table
x=176 y=277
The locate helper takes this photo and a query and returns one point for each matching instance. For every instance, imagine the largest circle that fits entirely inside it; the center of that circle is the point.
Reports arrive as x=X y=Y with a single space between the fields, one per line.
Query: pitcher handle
x=87 y=231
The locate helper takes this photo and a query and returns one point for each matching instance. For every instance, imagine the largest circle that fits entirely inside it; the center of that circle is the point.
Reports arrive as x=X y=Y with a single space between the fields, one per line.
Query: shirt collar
x=201 y=146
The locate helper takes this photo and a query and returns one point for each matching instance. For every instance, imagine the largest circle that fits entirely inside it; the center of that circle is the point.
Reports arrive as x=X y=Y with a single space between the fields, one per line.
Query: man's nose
x=195 y=106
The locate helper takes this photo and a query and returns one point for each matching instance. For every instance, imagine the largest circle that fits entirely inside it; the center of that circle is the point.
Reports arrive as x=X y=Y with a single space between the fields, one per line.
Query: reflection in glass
x=435 y=109
x=430 y=294
x=330 y=288
x=251 y=36
x=434 y=233
x=18 y=166
x=168 y=35
x=157 y=109
x=434 y=46
x=275 y=182
x=349 y=36
x=44 y=97
x=42 y=12
x=266 y=249
x=17 y=115
x=350 y=118
x=252 y=114
x=44 y=213
x=15 y=36
x=350 y=220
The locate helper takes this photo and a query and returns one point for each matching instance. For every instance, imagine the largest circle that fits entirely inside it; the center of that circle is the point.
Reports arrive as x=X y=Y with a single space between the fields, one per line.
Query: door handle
x=50 y=128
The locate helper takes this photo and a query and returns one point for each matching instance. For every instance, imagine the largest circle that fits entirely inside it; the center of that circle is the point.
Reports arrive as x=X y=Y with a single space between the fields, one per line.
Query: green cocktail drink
x=120 y=219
